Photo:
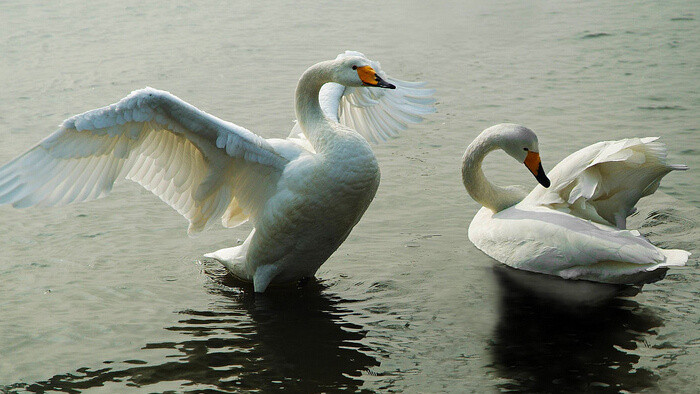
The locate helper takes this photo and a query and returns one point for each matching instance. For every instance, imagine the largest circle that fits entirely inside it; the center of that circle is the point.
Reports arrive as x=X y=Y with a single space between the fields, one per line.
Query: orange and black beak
x=369 y=77
x=533 y=163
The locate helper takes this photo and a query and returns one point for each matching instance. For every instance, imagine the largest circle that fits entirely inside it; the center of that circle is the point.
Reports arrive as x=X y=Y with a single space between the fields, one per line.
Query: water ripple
x=247 y=341
x=663 y=108
x=595 y=35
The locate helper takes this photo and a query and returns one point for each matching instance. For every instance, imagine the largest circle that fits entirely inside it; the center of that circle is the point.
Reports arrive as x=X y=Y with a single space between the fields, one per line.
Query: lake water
x=112 y=295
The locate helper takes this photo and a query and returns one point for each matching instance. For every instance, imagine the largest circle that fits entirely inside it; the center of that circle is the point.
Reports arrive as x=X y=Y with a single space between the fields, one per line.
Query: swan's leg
x=264 y=275
x=234 y=258
x=620 y=221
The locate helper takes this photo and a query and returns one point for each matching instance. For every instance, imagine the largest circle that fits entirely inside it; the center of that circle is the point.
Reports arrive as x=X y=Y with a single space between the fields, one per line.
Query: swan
x=303 y=194
x=573 y=224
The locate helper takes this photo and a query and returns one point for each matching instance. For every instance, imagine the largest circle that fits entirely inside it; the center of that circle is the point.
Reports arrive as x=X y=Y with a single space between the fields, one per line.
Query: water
x=111 y=295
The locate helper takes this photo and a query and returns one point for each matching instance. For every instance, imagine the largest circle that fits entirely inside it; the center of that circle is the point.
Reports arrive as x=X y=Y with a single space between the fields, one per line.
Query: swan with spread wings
x=303 y=194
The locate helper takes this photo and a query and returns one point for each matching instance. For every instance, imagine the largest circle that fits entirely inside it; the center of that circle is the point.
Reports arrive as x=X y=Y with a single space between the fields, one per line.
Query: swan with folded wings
x=303 y=194
x=573 y=224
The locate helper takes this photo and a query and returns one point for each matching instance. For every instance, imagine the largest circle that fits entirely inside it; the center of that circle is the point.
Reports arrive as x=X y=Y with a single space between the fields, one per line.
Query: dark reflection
x=544 y=342
x=282 y=339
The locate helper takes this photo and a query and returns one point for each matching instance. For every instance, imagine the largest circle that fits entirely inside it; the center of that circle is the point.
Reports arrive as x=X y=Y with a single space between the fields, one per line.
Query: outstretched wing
x=604 y=181
x=377 y=114
x=200 y=165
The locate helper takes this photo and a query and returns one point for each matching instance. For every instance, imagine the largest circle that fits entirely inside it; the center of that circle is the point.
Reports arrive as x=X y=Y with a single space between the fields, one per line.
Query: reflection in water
x=293 y=340
x=544 y=345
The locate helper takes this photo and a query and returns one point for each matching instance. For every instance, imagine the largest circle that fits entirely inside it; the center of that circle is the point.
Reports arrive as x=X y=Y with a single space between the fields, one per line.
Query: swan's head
x=521 y=143
x=356 y=71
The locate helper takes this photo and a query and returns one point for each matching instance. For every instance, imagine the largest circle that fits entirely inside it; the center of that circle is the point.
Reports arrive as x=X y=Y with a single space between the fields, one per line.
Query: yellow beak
x=369 y=77
x=534 y=164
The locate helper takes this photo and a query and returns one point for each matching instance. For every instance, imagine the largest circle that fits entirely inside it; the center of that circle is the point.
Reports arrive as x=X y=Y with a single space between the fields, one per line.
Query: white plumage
x=575 y=228
x=303 y=194
x=157 y=140
x=603 y=182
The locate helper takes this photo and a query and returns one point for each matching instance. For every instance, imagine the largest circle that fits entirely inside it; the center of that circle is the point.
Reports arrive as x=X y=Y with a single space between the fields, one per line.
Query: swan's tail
x=234 y=259
x=674 y=258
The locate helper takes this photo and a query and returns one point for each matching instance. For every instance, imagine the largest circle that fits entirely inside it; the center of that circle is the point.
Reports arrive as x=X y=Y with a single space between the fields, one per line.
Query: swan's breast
x=350 y=164
x=319 y=200
x=329 y=189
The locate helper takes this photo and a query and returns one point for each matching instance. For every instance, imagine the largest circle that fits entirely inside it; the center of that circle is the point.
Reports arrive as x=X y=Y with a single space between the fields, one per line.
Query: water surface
x=112 y=295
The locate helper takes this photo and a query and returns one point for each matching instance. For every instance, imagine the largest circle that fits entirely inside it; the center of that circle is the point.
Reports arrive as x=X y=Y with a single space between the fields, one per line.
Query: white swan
x=575 y=227
x=304 y=196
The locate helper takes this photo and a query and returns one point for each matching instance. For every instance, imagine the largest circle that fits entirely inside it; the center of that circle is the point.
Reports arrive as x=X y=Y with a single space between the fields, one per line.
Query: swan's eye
x=525 y=149
x=354 y=67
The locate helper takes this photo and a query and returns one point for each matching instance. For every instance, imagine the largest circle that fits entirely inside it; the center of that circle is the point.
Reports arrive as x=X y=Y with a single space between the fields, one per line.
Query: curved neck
x=309 y=114
x=479 y=188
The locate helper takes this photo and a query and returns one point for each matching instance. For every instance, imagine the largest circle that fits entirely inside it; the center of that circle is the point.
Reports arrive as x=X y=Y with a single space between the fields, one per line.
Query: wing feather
x=604 y=181
x=203 y=167
x=377 y=114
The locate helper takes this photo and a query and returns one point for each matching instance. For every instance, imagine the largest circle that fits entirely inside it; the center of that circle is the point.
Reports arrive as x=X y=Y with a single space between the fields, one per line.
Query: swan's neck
x=480 y=189
x=312 y=121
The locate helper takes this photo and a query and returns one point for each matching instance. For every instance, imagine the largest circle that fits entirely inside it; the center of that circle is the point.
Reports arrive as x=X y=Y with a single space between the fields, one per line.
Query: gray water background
x=112 y=295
